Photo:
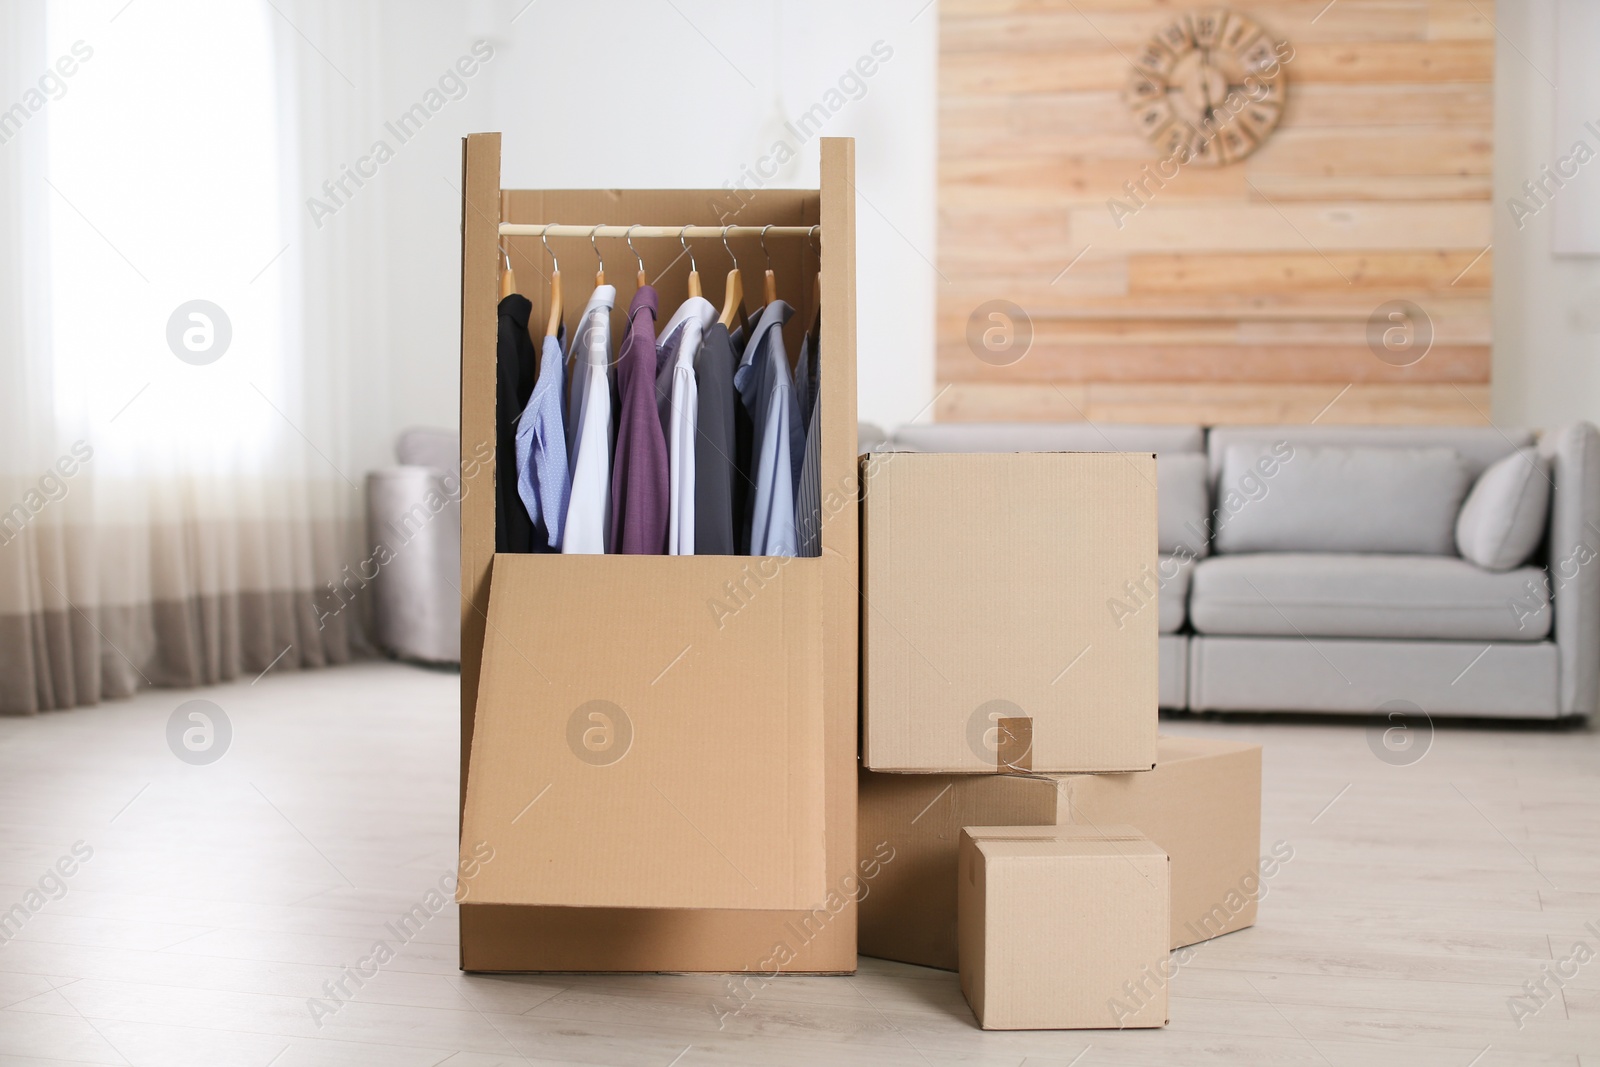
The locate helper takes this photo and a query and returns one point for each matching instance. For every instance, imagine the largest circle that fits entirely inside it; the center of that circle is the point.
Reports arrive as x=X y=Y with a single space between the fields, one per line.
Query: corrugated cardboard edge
x=841 y=535
x=480 y=234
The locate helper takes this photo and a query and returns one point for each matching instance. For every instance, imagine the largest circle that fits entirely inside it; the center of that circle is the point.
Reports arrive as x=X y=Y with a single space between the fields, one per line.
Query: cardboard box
x=1201 y=804
x=997 y=628
x=1063 y=927
x=910 y=913
x=616 y=761
x=664 y=786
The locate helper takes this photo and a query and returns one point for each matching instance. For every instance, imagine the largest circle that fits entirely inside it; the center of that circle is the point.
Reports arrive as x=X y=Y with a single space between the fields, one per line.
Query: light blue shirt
x=543 y=481
x=767 y=392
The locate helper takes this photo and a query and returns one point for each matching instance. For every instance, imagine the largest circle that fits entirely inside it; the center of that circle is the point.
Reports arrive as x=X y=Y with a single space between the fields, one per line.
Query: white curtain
x=186 y=352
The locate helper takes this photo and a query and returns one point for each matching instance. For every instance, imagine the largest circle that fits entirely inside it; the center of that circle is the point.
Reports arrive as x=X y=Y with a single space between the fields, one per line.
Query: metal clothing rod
x=526 y=229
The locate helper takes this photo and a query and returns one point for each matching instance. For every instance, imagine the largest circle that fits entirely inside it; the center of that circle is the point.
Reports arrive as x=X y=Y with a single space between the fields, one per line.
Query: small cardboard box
x=1063 y=927
x=1202 y=804
x=995 y=629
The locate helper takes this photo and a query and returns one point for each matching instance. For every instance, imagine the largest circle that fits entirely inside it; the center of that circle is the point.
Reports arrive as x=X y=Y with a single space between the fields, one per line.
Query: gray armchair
x=414 y=527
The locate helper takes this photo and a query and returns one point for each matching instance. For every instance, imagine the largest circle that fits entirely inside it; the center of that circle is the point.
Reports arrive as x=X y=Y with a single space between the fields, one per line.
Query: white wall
x=637 y=94
x=1546 y=308
x=648 y=94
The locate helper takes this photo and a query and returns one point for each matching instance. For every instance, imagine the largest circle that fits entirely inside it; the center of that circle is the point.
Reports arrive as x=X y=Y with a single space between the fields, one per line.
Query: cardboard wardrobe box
x=657 y=751
x=1201 y=804
x=995 y=629
x=1063 y=927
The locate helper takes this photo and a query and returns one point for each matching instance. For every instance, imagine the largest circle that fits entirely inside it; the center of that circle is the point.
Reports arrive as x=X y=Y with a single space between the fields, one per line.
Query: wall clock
x=1209 y=87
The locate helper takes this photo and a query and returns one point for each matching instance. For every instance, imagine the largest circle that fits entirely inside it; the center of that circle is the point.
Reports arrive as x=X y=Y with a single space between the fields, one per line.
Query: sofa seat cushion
x=1173 y=600
x=1373 y=596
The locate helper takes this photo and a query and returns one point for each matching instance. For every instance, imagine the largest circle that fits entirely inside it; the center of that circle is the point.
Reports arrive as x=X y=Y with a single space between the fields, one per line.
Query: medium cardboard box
x=1063 y=927
x=910 y=914
x=1202 y=804
x=658 y=753
x=995 y=632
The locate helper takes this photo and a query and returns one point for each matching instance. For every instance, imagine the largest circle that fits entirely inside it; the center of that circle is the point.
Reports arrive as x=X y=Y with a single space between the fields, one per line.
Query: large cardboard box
x=1063 y=927
x=658 y=753
x=1002 y=626
x=1201 y=804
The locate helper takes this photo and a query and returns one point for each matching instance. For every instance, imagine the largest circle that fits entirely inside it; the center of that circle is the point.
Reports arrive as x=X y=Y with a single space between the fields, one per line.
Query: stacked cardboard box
x=1012 y=771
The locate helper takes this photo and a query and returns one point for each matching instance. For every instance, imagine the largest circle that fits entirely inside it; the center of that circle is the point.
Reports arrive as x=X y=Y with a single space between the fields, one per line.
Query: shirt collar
x=696 y=308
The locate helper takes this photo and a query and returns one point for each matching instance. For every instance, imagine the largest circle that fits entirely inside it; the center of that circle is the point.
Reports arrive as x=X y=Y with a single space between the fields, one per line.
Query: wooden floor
x=219 y=898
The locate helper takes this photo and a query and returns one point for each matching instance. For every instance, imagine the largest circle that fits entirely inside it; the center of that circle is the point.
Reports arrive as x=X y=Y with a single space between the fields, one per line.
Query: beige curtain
x=186 y=355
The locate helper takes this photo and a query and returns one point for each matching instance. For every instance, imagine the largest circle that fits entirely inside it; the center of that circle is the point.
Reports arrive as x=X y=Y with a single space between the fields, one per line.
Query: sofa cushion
x=1373 y=596
x=1478 y=446
x=870 y=438
x=1286 y=498
x=1173 y=600
x=1183 y=503
x=1503 y=519
x=1047 y=437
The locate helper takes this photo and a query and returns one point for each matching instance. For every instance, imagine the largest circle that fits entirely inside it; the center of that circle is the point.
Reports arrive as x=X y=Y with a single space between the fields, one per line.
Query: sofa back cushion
x=1183 y=503
x=1503 y=520
x=1048 y=437
x=1283 y=497
x=1478 y=446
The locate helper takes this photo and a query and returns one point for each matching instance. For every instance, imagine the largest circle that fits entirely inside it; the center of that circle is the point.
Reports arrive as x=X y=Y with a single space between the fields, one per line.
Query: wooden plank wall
x=1235 y=294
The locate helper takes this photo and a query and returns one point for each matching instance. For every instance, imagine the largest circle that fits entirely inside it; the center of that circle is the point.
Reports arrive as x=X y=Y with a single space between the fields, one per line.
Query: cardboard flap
x=649 y=734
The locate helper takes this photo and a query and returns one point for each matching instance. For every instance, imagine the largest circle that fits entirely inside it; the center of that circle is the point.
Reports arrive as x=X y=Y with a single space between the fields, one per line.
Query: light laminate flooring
x=219 y=898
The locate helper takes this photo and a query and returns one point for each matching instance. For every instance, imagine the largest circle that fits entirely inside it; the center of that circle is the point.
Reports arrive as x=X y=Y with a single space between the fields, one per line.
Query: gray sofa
x=1336 y=585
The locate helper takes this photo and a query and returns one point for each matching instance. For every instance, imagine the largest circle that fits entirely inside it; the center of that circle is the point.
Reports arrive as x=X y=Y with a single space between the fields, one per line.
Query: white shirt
x=589 y=428
x=680 y=417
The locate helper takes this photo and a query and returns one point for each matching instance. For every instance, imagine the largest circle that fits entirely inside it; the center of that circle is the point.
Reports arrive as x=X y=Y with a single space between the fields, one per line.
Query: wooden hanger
x=640 y=280
x=769 y=281
x=732 y=290
x=553 y=327
x=694 y=271
x=508 y=277
x=599 y=264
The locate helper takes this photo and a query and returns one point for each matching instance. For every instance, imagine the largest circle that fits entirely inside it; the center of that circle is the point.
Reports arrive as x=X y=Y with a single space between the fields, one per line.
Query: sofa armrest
x=1573 y=546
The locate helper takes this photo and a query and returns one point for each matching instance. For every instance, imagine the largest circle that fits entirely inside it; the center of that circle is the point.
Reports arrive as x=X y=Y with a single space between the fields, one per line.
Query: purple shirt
x=639 y=483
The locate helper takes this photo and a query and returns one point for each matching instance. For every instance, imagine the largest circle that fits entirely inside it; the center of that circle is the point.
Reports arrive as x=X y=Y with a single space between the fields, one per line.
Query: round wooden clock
x=1209 y=87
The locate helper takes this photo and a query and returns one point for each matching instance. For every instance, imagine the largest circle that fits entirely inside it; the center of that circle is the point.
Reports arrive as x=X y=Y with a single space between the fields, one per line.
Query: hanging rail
x=528 y=229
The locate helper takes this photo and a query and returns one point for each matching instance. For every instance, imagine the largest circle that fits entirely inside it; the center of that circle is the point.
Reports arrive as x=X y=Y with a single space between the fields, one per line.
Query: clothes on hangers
x=514 y=363
x=543 y=477
x=767 y=392
x=744 y=482
x=719 y=480
x=808 y=495
x=639 y=478
x=589 y=428
x=677 y=401
x=806 y=374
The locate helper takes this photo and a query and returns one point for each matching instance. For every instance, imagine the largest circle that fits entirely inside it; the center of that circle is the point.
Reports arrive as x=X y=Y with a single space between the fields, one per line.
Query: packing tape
x=1014 y=751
